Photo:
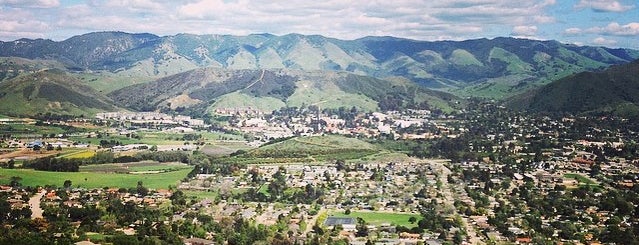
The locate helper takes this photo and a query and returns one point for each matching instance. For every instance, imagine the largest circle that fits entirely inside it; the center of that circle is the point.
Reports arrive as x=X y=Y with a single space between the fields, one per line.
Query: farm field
x=134 y=167
x=77 y=154
x=378 y=218
x=94 y=179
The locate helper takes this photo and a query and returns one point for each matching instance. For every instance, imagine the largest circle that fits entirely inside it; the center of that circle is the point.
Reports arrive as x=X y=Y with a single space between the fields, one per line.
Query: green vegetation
x=581 y=179
x=612 y=91
x=51 y=91
x=201 y=195
x=378 y=218
x=309 y=149
x=94 y=179
x=144 y=166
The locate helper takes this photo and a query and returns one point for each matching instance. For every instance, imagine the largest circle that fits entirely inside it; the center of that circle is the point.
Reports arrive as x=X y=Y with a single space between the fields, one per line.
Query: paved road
x=34 y=203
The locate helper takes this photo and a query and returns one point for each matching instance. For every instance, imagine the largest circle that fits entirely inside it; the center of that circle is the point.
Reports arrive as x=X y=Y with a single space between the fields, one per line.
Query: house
x=37 y=143
x=523 y=240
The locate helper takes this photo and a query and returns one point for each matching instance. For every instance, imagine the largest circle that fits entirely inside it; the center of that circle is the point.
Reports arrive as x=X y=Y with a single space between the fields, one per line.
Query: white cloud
x=31 y=3
x=603 y=41
x=604 y=5
x=416 y=19
x=524 y=31
x=573 y=31
x=615 y=29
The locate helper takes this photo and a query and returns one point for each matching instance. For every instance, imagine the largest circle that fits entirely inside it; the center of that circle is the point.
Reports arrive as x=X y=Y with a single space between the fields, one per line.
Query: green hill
x=50 y=91
x=614 y=90
x=316 y=148
x=209 y=88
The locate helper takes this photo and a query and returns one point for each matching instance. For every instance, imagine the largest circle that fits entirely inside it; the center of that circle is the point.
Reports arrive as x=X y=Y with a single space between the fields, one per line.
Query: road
x=449 y=193
x=34 y=203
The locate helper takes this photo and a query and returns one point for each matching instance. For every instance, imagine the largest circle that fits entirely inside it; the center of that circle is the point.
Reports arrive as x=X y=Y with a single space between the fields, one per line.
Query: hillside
x=310 y=149
x=613 y=90
x=50 y=91
x=494 y=68
x=11 y=67
x=203 y=90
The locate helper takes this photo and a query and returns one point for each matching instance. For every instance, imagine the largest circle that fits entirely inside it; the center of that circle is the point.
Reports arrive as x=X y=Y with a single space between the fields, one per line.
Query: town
x=481 y=175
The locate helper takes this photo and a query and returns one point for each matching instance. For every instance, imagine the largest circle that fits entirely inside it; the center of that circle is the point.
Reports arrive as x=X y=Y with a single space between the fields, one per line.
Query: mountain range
x=184 y=71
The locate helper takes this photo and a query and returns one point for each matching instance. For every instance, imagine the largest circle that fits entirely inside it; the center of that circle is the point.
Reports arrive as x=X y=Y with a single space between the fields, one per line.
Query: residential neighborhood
x=302 y=176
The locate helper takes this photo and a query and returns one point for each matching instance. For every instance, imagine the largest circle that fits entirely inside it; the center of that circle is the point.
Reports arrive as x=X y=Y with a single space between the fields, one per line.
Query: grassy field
x=378 y=218
x=93 y=179
x=581 y=179
x=29 y=129
x=201 y=195
x=144 y=166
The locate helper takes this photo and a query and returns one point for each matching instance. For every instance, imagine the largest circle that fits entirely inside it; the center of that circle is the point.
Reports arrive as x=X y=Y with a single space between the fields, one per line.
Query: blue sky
x=611 y=23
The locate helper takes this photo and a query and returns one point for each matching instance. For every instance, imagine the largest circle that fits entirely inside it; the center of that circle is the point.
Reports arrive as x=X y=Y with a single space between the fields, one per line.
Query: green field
x=93 y=179
x=201 y=195
x=581 y=179
x=378 y=218
x=144 y=166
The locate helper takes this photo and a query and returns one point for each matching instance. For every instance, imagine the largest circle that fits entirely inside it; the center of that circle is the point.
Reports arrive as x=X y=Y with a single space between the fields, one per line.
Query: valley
x=303 y=139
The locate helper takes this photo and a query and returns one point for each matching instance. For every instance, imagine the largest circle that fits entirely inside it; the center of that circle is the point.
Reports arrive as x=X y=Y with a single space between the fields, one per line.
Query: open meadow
x=157 y=177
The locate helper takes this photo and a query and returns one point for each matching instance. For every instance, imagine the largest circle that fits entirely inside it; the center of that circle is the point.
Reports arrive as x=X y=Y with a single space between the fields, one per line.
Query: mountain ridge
x=492 y=68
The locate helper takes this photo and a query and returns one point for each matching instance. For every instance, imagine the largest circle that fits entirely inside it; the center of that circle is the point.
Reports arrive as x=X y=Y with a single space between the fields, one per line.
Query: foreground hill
x=204 y=89
x=50 y=91
x=614 y=90
x=483 y=67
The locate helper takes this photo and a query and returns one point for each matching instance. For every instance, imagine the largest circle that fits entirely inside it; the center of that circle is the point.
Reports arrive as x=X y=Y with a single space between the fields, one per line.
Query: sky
x=610 y=23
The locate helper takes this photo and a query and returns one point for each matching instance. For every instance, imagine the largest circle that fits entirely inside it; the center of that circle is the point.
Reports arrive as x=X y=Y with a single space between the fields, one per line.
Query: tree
x=11 y=164
x=362 y=229
x=142 y=191
x=412 y=219
x=15 y=181
x=67 y=184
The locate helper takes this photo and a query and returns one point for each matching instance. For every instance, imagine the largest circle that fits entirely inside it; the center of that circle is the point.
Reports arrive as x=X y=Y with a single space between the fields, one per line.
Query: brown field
x=26 y=154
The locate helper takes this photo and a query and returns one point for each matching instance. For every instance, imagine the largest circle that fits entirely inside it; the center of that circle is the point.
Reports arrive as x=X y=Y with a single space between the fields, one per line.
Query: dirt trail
x=34 y=203
x=258 y=80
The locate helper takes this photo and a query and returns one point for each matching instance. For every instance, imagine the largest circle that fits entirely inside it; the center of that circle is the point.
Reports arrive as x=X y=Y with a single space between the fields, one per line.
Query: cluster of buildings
x=409 y=124
x=150 y=118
